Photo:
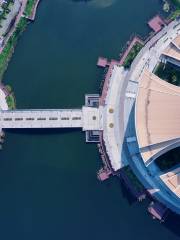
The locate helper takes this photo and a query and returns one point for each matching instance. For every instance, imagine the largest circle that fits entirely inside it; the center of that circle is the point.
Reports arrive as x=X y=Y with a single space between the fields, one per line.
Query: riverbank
x=31 y=8
x=27 y=12
x=8 y=50
x=48 y=178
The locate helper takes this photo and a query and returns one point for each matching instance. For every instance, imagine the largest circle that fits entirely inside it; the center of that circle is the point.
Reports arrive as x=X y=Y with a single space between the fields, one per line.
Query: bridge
x=87 y=118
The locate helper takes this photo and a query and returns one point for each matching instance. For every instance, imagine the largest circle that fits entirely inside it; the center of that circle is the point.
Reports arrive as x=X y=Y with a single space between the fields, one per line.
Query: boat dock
x=102 y=62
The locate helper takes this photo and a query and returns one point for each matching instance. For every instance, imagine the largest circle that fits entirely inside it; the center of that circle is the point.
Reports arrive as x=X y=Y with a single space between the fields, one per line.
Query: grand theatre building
x=141 y=117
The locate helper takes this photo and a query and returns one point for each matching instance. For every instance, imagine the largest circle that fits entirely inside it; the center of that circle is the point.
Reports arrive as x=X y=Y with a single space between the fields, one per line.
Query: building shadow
x=172 y=222
x=126 y=193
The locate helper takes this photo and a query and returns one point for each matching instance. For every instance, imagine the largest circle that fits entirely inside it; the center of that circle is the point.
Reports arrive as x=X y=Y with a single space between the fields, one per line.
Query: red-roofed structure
x=156 y=23
x=102 y=62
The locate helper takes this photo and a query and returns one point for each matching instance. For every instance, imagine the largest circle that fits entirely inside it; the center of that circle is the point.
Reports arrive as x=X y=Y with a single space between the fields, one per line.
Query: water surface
x=48 y=184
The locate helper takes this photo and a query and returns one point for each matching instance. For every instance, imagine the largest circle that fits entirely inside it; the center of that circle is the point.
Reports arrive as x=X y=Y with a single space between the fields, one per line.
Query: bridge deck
x=87 y=118
x=41 y=118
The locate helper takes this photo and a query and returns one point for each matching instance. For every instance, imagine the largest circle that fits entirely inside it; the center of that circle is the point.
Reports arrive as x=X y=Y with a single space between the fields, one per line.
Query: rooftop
x=172 y=50
x=176 y=42
x=172 y=180
x=156 y=23
x=157 y=116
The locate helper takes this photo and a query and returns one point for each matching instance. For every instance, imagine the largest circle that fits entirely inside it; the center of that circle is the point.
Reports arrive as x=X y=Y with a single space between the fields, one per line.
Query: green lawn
x=175 y=13
x=9 y=48
x=29 y=7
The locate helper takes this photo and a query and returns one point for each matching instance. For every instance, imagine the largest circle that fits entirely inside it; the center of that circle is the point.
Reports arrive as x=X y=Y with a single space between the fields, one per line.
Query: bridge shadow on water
x=44 y=131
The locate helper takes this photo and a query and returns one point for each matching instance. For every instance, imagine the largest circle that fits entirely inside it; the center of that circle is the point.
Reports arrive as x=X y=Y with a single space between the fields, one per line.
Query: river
x=48 y=184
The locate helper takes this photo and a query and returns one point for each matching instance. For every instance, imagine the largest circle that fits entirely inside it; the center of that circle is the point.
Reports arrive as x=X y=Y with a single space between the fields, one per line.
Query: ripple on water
x=102 y=3
x=97 y=3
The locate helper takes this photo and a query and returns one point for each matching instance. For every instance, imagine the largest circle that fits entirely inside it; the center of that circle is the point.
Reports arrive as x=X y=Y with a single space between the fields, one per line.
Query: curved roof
x=172 y=180
x=173 y=49
x=157 y=116
x=176 y=42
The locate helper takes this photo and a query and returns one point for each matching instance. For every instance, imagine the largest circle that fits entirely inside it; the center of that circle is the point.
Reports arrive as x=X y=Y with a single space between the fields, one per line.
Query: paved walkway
x=18 y=17
x=41 y=119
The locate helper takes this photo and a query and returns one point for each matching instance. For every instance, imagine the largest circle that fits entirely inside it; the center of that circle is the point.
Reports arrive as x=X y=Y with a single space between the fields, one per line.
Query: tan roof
x=157 y=116
x=172 y=180
x=176 y=42
x=173 y=49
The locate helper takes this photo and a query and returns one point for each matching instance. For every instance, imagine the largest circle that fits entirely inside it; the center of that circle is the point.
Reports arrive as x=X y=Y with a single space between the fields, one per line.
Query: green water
x=48 y=184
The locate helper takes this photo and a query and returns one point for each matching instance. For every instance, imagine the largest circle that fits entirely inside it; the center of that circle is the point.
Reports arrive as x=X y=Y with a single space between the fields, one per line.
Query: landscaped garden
x=169 y=73
x=176 y=3
x=11 y=101
x=29 y=7
x=132 y=54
